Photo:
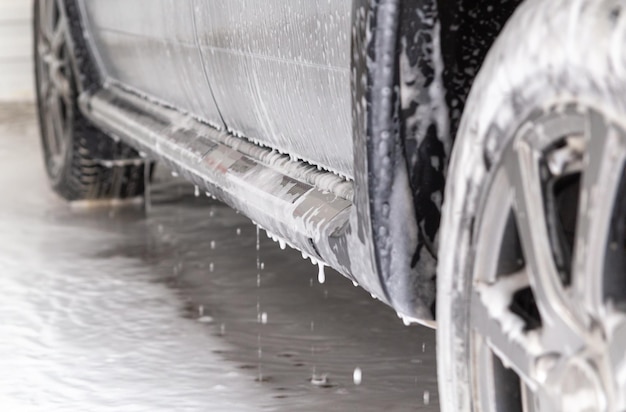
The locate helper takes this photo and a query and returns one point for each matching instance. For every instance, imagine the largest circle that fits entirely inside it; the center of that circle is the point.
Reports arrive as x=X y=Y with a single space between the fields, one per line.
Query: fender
x=413 y=64
x=397 y=107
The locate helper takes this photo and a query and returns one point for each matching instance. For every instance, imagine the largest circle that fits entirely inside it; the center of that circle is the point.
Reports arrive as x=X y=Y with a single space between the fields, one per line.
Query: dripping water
x=147 y=200
x=258 y=305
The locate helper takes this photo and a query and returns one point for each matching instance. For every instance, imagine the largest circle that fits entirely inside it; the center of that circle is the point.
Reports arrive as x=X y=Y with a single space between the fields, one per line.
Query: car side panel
x=281 y=74
x=150 y=46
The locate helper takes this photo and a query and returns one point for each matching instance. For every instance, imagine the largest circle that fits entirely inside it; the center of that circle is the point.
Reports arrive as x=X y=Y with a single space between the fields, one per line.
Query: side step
x=302 y=206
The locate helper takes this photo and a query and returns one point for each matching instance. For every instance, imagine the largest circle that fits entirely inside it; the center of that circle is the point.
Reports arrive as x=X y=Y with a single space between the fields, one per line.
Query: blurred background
x=16 y=68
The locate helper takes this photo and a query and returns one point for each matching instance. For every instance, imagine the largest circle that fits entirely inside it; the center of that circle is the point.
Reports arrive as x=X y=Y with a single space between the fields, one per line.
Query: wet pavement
x=114 y=309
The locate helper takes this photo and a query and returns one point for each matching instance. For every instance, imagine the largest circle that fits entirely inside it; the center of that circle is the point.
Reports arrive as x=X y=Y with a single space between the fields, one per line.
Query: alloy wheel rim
x=547 y=318
x=54 y=81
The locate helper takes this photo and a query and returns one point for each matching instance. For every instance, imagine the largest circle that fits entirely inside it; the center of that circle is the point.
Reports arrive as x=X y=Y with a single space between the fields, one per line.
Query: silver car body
x=274 y=72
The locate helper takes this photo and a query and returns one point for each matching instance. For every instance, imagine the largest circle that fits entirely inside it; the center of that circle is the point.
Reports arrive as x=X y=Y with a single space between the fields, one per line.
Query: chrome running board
x=298 y=204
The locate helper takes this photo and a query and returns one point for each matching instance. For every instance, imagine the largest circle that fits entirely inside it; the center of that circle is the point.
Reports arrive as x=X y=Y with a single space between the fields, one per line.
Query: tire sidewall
x=574 y=55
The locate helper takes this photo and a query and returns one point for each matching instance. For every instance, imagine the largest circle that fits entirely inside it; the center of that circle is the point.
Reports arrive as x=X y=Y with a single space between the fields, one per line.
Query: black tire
x=81 y=161
x=553 y=58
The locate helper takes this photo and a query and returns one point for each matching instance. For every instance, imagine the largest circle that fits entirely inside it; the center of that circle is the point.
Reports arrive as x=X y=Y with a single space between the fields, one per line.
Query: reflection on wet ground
x=175 y=310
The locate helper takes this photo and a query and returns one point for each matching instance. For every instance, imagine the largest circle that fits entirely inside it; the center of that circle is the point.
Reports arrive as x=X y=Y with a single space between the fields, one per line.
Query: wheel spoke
x=48 y=17
x=44 y=21
x=57 y=131
x=58 y=37
x=522 y=166
x=529 y=353
x=43 y=79
x=60 y=81
x=600 y=180
x=501 y=328
x=50 y=137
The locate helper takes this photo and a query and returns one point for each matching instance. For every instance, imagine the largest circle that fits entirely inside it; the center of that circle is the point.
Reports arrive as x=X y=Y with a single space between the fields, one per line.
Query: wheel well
x=468 y=30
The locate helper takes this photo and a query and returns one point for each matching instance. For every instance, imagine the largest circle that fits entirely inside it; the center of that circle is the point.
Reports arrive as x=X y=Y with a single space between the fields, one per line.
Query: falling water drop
x=356 y=285
x=213 y=244
x=211 y=267
x=147 y=198
x=357 y=376
x=196 y=191
x=426 y=397
x=238 y=231
x=258 y=304
x=321 y=275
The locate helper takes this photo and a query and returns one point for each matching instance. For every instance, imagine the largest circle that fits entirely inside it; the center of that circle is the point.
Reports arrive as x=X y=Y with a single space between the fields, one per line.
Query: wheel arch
x=413 y=63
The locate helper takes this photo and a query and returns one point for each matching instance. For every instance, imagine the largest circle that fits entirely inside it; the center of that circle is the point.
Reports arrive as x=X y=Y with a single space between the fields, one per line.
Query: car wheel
x=81 y=162
x=531 y=304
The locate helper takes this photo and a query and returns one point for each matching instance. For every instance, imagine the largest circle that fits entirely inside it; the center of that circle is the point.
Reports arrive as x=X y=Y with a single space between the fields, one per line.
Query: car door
x=150 y=46
x=276 y=72
x=280 y=71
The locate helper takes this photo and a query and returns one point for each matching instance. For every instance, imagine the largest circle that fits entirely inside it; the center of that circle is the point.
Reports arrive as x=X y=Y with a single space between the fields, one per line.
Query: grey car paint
x=275 y=72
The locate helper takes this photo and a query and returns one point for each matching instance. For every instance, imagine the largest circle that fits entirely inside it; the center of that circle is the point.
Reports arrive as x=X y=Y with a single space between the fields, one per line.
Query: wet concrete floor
x=119 y=309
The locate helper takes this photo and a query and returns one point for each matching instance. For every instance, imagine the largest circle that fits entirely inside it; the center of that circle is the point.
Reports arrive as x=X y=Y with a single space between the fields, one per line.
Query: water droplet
x=264 y=318
x=201 y=310
x=238 y=231
x=262 y=265
x=211 y=267
x=426 y=397
x=357 y=376
x=424 y=347
x=213 y=244
x=319 y=380
x=356 y=285
x=205 y=319
x=196 y=191
x=282 y=244
x=174 y=174
x=321 y=276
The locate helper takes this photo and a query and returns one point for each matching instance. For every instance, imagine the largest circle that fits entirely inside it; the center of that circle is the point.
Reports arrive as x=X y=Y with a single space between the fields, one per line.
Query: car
x=462 y=161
